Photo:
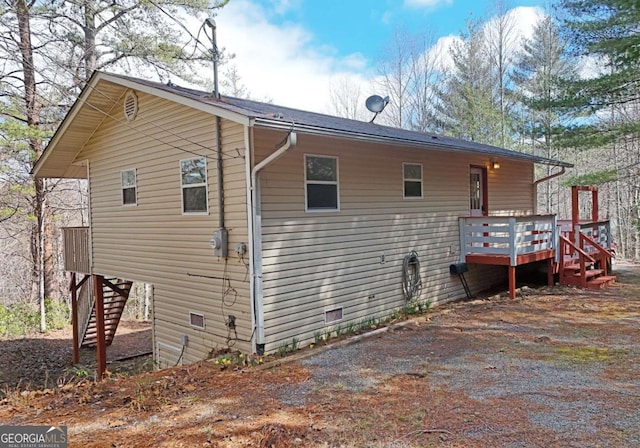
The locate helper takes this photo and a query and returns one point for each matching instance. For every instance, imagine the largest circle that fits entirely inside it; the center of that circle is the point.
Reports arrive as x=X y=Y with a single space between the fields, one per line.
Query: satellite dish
x=376 y=104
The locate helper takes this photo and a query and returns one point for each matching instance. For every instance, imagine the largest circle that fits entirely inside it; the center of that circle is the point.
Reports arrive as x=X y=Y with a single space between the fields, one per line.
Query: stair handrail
x=601 y=250
x=582 y=256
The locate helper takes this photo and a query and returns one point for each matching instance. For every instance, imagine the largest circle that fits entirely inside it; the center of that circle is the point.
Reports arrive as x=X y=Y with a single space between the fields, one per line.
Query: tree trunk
x=33 y=121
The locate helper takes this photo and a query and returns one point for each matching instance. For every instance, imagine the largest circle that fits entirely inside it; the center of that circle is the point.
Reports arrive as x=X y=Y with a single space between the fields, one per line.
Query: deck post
x=513 y=248
x=512 y=282
x=462 y=222
x=575 y=210
x=74 y=319
x=101 y=344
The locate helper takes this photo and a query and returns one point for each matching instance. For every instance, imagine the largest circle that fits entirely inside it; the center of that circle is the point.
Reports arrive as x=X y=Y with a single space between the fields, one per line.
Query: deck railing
x=507 y=235
x=598 y=231
x=76 y=249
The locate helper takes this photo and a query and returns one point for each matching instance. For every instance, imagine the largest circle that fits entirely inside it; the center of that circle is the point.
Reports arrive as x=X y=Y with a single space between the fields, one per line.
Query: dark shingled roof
x=286 y=118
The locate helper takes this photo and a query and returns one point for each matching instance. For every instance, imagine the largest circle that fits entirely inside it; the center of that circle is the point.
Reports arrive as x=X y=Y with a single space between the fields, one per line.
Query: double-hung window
x=129 y=187
x=412 y=180
x=321 y=183
x=193 y=177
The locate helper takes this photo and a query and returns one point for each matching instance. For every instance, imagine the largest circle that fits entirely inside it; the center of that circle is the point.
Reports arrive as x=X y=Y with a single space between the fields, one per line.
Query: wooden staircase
x=585 y=265
x=115 y=292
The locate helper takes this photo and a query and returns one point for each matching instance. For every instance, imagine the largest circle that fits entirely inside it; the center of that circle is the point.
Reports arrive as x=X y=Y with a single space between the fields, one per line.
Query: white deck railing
x=76 y=249
x=599 y=231
x=507 y=235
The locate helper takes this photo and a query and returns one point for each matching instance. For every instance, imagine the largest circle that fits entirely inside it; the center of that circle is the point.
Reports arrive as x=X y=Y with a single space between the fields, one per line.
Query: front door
x=476 y=192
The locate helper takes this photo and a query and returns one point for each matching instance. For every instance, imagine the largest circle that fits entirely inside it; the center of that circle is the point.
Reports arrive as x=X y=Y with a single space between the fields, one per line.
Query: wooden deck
x=509 y=241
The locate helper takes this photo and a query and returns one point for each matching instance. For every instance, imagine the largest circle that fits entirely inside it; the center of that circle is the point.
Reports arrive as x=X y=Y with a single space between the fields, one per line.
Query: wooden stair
x=584 y=269
x=116 y=292
x=594 y=278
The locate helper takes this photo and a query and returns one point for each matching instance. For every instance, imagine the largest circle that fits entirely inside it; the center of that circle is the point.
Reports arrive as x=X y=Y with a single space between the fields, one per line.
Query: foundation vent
x=196 y=320
x=333 y=315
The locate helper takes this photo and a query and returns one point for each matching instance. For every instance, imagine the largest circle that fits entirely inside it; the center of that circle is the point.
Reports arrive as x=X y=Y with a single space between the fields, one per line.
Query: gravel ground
x=557 y=367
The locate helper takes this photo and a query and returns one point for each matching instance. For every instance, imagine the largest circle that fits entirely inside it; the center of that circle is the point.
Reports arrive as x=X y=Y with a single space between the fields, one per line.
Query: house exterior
x=258 y=224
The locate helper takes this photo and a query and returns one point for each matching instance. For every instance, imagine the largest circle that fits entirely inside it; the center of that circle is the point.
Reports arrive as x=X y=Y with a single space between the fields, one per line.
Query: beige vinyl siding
x=511 y=188
x=154 y=242
x=316 y=261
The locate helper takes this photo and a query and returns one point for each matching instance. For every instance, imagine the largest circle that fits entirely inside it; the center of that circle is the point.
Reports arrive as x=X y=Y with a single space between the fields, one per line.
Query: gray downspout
x=256 y=237
x=556 y=239
x=222 y=235
x=539 y=181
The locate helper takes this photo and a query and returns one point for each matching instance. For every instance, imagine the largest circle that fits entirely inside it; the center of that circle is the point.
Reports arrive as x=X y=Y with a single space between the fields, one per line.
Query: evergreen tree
x=467 y=105
x=607 y=31
x=541 y=67
x=606 y=103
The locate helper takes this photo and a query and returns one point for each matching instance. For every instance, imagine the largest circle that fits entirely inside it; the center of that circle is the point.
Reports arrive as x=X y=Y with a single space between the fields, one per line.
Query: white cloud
x=523 y=20
x=441 y=52
x=286 y=63
x=590 y=67
x=280 y=62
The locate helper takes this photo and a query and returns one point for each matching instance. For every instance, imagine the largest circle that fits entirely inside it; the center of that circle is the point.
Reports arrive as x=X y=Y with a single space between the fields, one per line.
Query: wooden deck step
x=601 y=282
x=590 y=273
x=576 y=266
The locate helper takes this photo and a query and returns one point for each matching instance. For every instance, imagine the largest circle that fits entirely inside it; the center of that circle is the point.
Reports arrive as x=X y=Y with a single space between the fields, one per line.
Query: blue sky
x=364 y=26
x=292 y=51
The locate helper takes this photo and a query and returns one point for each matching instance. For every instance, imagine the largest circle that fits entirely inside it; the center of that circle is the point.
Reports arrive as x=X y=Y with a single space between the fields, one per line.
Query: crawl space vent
x=130 y=105
x=196 y=320
x=333 y=315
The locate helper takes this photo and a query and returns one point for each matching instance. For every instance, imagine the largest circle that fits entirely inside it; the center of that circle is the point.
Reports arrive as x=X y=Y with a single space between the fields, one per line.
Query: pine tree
x=606 y=31
x=467 y=105
x=606 y=102
x=542 y=65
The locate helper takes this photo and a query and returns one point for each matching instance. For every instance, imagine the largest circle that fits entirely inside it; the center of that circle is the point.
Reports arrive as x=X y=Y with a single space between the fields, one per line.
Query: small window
x=321 y=183
x=128 y=182
x=193 y=177
x=412 y=177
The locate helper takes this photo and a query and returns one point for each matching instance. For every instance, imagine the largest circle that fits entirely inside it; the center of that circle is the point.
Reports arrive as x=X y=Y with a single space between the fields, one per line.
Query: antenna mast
x=215 y=55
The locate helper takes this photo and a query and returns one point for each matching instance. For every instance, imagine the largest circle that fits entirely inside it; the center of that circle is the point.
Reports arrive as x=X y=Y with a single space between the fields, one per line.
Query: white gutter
x=544 y=179
x=255 y=232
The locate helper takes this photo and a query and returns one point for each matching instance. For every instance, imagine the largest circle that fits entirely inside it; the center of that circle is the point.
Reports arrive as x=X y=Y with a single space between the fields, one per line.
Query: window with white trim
x=193 y=178
x=129 y=187
x=321 y=183
x=412 y=180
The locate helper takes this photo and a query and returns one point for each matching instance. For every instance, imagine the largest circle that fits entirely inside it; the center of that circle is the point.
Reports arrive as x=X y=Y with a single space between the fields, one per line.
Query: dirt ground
x=555 y=367
x=41 y=361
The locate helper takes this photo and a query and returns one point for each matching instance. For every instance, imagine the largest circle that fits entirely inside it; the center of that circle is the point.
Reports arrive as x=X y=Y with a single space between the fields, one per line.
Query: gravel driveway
x=553 y=369
x=556 y=367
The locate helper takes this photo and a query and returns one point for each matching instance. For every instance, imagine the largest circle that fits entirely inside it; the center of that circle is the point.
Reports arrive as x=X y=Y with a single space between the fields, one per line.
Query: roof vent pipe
x=215 y=54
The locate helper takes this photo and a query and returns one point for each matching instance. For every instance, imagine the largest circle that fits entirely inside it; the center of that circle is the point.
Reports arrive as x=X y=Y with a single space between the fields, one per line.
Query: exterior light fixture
x=495 y=164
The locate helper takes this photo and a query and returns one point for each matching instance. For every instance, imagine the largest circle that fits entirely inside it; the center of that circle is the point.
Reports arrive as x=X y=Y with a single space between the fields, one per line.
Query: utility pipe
x=544 y=179
x=255 y=267
x=220 y=173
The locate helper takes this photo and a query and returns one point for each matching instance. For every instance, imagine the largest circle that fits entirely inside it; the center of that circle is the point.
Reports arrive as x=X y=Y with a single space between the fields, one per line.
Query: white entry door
x=476 y=192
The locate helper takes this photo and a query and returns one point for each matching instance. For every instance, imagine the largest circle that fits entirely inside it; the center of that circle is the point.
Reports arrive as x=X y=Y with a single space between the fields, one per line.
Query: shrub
x=57 y=314
x=18 y=319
